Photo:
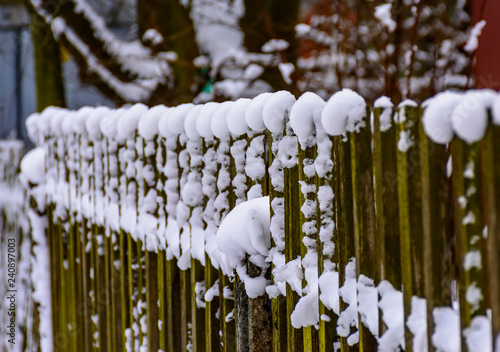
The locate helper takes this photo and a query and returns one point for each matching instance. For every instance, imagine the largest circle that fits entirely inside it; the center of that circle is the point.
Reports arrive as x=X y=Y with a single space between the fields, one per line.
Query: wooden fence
x=380 y=237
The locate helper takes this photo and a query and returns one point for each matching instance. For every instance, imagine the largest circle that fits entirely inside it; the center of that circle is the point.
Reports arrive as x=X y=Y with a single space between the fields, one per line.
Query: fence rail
x=378 y=229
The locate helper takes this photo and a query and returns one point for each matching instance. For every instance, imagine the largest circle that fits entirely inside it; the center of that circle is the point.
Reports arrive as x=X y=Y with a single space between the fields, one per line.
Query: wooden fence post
x=490 y=184
x=410 y=207
x=469 y=226
x=435 y=213
x=364 y=217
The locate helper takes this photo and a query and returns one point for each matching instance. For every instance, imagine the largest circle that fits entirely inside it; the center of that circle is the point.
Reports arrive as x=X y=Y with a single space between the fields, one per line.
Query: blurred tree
x=204 y=50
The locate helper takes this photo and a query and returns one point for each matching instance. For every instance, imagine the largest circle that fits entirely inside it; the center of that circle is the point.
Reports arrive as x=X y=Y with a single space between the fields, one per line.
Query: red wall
x=488 y=52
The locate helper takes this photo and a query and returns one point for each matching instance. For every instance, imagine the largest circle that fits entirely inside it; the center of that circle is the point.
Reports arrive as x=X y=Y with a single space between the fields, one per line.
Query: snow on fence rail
x=349 y=227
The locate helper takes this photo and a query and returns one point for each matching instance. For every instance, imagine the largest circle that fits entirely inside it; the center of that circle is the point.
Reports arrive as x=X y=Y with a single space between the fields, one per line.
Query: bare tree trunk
x=48 y=69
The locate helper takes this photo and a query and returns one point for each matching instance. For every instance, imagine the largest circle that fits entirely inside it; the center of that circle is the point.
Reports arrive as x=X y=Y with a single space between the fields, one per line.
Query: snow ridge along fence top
x=271 y=224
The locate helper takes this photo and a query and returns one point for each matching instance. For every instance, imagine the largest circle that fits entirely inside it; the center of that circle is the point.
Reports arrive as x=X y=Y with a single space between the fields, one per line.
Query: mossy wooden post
x=209 y=174
x=437 y=252
x=161 y=178
x=410 y=207
x=328 y=252
x=185 y=272
x=308 y=230
x=293 y=243
x=226 y=285
x=239 y=183
x=173 y=292
x=70 y=260
x=490 y=184
x=276 y=201
x=87 y=181
x=127 y=156
x=149 y=180
x=343 y=203
x=259 y=313
x=386 y=195
x=142 y=312
x=364 y=216
x=469 y=225
x=197 y=279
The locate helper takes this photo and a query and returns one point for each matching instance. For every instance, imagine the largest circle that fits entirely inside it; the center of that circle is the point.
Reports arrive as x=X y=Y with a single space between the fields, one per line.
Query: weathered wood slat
x=365 y=243
x=490 y=184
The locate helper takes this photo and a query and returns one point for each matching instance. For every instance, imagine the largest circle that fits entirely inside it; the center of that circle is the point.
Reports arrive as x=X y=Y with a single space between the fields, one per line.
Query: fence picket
x=490 y=184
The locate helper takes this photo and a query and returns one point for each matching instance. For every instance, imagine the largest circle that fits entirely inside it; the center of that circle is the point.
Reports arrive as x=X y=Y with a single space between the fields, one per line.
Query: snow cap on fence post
x=43 y=120
x=306 y=114
x=128 y=122
x=276 y=109
x=148 y=123
x=80 y=119
x=343 y=112
x=93 y=122
x=175 y=121
x=236 y=117
x=190 y=122
x=204 y=121
x=386 y=105
x=109 y=121
x=470 y=118
x=56 y=122
x=253 y=113
x=219 y=120
x=436 y=118
x=67 y=123
x=495 y=110
x=31 y=126
x=163 y=128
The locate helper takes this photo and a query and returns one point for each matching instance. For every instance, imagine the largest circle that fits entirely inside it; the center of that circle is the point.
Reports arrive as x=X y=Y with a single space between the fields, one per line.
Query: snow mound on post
x=163 y=119
x=176 y=118
x=245 y=231
x=148 y=124
x=470 y=118
x=219 y=120
x=253 y=113
x=190 y=122
x=236 y=117
x=495 y=110
x=127 y=123
x=204 y=122
x=343 y=112
x=33 y=166
x=436 y=118
x=306 y=114
x=276 y=109
x=446 y=336
x=93 y=122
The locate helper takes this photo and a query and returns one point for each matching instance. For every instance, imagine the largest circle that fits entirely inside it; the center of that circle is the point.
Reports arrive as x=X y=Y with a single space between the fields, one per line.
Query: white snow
x=344 y=111
x=276 y=110
x=446 y=336
x=306 y=114
x=478 y=336
x=219 y=120
x=473 y=40
x=437 y=115
x=253 y=112
x=236 y=122
x=383 y=14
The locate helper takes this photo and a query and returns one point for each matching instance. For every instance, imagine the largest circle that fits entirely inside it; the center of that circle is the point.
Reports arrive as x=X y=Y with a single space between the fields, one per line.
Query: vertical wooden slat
x=227 y=325
x=437 y=252
x=410 y=208
x=308 y=231
x=469 y=226
x=344 y=218
x=386 y=197
x=328 y=252
x=293 y=240
x=364 y=217
x=490 y=184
